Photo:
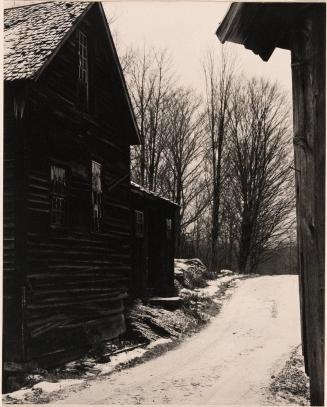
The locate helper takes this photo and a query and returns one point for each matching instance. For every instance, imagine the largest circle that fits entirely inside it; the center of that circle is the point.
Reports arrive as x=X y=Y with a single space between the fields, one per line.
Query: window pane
x=139 y=224
x=96 y=196
x=169 y=227
x=82 y=56
x=58 y=195
x=96 y=177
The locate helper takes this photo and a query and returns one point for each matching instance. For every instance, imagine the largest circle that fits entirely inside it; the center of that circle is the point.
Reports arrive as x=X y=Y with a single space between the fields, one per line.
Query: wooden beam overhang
x=261 y=27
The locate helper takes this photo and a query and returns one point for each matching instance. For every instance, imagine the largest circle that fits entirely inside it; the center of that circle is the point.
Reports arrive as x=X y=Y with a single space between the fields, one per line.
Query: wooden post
x=308 y=74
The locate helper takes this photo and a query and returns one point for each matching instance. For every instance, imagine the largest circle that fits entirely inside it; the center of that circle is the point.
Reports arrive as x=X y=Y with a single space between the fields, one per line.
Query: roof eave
x=152 y=195
x=260 y=27
x=136 y=139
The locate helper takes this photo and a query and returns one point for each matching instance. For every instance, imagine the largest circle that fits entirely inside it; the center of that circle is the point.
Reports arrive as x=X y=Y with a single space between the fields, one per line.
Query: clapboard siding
x=12 y=247
x=8 y=218
x=10 y=290
x=79 y=275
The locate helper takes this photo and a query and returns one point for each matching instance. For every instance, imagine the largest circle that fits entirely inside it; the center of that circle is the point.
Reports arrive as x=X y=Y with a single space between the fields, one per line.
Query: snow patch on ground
x=179 y=265
x=213 y=286
x=48 y=387
x=18 y=394
x=291 y=385
x=45 y=388
x=161 y=341
x=120 y=359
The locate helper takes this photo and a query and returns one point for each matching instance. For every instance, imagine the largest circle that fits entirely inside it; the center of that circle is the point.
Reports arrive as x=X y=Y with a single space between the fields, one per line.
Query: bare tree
x=150 y=84
x=170 y=120
x=182 y=158
x=261 y=189
x=218 y=85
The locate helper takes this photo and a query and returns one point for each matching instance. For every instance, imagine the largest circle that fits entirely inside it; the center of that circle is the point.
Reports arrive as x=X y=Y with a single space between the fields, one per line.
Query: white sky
x=187 y=30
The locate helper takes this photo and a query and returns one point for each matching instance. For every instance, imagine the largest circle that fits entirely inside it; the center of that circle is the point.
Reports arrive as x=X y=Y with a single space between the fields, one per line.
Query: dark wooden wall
x=309 y=107
x=73 y=281
x=153 y=255
x=13 y=223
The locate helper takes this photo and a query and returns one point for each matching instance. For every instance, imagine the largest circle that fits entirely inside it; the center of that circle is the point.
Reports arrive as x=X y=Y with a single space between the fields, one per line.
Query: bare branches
x=259 y=169
x=218 y=83
x=225 y=159
x=182 y=157
x=171 y=128
x=150 y=82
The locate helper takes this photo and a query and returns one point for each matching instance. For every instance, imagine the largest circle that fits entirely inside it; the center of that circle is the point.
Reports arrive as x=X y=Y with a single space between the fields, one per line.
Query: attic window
x=82 y=58
x=96 y=196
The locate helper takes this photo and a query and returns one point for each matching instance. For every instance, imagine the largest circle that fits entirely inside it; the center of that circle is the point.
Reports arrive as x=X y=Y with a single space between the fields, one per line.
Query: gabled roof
x=32 y=33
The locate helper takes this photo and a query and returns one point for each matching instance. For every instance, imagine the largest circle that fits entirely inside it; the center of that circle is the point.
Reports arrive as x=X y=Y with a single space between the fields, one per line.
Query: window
x=82 y=58
x=169 y=228
x=58 y=192
x=83 y=73
x=96 y=196
x=139 y=224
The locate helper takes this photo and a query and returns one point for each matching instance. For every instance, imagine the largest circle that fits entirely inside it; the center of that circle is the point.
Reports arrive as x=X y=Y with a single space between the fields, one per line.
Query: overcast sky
x=187 y=30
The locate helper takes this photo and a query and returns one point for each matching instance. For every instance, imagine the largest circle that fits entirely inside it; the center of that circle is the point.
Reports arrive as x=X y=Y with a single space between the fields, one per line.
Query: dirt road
x=229 y=362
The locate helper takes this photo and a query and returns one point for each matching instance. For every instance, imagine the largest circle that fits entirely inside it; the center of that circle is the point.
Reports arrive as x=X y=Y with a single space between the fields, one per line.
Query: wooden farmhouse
x=300 y=28
x=74 y=250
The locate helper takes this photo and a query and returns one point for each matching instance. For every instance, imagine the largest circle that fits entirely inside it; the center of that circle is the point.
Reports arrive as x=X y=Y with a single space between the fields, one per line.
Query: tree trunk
x=245 y=245
x=214 y=230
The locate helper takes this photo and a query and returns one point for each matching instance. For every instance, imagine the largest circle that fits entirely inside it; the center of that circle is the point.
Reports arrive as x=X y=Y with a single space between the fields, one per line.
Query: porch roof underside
x=261 y=27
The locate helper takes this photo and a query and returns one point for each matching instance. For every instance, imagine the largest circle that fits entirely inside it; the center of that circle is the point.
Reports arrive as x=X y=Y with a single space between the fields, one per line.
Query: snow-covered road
x=229 y=362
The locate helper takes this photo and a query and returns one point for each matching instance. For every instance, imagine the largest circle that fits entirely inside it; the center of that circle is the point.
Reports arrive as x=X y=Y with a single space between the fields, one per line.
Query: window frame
x=139 y=231
x=169 y=228
x=64 y=195
x=83 y=67
x=96 y=227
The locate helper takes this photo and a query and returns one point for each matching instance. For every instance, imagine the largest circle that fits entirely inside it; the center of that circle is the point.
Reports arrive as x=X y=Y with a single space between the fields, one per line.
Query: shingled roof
x=32 y=33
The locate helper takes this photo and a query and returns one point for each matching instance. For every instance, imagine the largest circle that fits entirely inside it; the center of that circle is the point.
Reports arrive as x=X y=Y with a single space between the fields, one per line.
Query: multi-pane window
x=139 y=224
x=96 y=196
x=58 y=191
x=169 y=228
x=83 y=74
x=82 y=58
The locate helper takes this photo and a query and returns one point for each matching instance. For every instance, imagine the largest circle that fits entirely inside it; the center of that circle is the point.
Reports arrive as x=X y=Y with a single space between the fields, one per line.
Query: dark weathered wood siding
x=74 y=281
x=153 y=255
x=309 y=107
x=13 y=223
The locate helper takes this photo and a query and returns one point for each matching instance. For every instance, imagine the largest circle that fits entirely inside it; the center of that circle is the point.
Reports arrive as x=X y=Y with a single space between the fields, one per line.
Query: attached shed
x=68 y=128
x=300 y=28
x=153 y=243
